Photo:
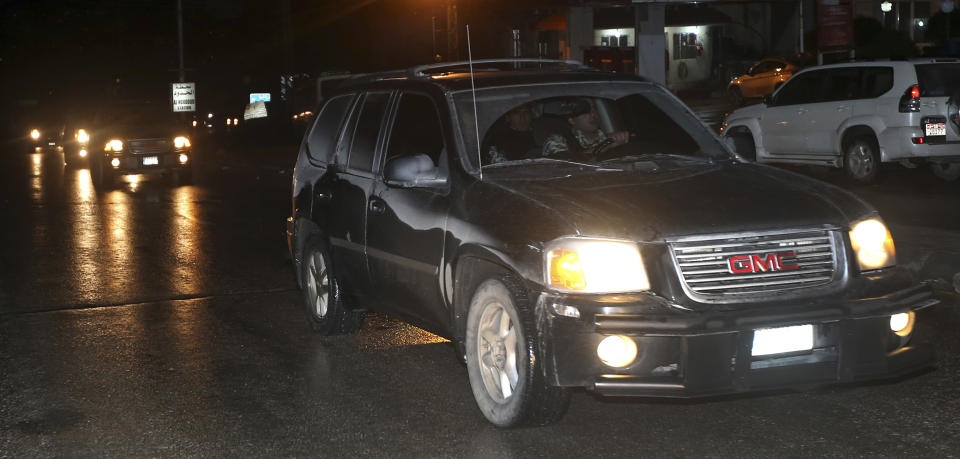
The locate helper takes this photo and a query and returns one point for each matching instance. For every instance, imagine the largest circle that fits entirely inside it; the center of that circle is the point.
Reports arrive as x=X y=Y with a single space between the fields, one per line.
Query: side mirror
x=768 y=100
x=751 y=71
x=414 y=171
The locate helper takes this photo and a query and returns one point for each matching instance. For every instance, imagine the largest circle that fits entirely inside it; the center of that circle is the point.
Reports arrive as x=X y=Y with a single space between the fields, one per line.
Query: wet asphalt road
x=160 y=319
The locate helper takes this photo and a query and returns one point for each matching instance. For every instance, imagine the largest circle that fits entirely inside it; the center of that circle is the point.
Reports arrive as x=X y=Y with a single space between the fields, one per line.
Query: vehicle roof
x=890 y=62
x=457 y=77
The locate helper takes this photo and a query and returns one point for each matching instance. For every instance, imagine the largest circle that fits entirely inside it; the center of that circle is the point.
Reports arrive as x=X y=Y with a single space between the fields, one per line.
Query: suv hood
x=703 y=198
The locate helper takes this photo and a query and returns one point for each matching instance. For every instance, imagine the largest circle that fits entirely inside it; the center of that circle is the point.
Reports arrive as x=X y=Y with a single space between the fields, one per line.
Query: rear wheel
x=321 y=294
x=946 y=171
x=861 y=160
x=503 y=359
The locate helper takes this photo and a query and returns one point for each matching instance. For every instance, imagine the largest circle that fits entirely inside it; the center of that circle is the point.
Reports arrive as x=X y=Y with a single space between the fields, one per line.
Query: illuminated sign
x=183 y=97
x=259 y=97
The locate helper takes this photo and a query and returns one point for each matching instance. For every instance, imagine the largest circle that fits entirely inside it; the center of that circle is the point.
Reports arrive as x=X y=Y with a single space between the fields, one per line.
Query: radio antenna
x=473 y=90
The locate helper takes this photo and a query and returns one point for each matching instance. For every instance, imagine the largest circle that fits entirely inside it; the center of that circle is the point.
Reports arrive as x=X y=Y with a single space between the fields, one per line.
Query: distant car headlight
x=82 y=136
x=873 y=244
x=35 y=134
x=584 y=265
x=113 y=145
x=181 y=142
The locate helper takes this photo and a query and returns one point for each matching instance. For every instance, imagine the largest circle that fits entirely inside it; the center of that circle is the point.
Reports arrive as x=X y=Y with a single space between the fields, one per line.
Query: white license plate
x=769 y=341
x=150 y=161
x=52 y=144
x=935 y=129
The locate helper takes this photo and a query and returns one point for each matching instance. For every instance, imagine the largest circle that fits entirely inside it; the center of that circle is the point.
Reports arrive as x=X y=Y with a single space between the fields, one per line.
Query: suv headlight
x=35 y=134
x=82 y=136
x=873 y=244
x=583 y=265
x=114 y=145
x=181 y=142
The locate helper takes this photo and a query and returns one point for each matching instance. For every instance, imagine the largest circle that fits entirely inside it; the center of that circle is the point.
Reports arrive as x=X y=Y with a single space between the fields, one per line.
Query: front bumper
x=687 y=354
x=142 y=163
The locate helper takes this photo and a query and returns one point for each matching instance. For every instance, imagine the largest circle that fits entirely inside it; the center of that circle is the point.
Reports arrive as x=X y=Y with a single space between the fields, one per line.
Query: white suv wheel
x=861 y=161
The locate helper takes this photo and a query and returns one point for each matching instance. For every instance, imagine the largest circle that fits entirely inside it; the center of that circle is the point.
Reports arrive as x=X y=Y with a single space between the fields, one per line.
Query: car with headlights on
x=139 y=139
x=76 y=144
x=569 y=228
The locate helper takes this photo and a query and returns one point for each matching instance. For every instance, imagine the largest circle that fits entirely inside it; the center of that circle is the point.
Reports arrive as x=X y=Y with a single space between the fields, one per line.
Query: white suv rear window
x=938 y=80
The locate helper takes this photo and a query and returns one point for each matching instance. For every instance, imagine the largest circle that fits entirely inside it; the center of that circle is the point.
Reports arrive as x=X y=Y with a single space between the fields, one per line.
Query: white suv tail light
x=910 y=100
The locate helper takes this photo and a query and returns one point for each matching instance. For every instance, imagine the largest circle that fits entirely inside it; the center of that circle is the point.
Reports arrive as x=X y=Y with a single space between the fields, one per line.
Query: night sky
x=71 y=56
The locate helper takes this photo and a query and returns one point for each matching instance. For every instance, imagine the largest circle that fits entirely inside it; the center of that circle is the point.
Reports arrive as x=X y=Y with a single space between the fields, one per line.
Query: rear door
x=406 y=226
x=351 y=188
x=937 y=83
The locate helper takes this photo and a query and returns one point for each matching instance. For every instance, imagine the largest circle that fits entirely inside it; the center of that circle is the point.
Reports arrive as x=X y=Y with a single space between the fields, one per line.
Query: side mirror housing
x=768 y=100
x=414 y=171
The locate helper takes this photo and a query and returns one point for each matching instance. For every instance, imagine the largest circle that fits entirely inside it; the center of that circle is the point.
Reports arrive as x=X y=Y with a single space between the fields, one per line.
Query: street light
x=886 y=7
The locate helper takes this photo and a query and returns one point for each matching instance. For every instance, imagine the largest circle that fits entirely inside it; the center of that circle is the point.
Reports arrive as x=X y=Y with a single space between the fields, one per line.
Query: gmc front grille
x=148 y=146
x=714 y=268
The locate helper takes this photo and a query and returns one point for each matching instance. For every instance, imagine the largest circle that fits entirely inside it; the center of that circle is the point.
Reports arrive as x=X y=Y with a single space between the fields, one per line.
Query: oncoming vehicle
x=139 y=139
x=612 y=242
x=857 y=116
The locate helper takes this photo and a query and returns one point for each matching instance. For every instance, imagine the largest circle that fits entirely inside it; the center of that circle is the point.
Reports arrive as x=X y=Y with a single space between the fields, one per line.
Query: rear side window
x=417 y=129
x=368 y=129
x=842 y=84
x=323 y=137
x=938 y=80
x=877 y=81
x=804 y=88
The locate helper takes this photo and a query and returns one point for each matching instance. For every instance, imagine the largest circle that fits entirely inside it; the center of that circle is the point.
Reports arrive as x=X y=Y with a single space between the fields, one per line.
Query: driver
x=585 y=134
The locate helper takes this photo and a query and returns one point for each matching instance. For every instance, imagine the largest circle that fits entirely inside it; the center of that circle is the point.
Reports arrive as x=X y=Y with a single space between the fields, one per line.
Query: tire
x=736 y=96
x=946 y=171
x=503 y=359
x=861 y=160
x=321 y=294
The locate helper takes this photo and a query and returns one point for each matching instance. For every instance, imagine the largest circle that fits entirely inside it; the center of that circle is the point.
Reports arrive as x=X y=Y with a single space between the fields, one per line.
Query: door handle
x=377 y=206
x=323 y=196
x=842 y=108
x=802 y=111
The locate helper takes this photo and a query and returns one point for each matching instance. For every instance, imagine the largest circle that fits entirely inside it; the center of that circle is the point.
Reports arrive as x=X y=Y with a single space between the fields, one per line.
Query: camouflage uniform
x=557 y=143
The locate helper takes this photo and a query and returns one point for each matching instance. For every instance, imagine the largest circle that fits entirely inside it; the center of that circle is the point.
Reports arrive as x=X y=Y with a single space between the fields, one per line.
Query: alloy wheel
x=497 y=352
x=318 y=284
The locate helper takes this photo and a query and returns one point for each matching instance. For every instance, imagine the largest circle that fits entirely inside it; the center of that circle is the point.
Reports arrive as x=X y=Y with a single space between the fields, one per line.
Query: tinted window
x=324 y=134
x=367 y=130
x=801 y=89
x=765 y=67
x=842 y=84
x=877 y=81
x=417 y=129
x=938 y=80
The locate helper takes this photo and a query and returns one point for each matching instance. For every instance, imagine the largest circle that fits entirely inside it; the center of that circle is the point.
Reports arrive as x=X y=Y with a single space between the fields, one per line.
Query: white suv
x=856 y=116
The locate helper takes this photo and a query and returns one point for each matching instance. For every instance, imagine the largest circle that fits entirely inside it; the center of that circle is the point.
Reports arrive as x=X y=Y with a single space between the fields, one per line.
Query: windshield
x=585 y=123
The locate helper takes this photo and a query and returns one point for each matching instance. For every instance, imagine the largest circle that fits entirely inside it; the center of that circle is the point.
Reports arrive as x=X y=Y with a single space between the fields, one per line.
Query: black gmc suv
x=570 y=228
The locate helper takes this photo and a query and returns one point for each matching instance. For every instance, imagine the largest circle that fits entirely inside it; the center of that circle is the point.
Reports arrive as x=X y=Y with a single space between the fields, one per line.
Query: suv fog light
x=902 y=324
x=183 y=158
x=617 y=351
x=83 y=153
x=115 y=162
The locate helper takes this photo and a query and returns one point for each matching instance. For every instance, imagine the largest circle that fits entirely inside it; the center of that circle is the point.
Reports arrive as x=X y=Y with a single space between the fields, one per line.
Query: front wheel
x=503 y=361
x=321 y=293
x=862 y=161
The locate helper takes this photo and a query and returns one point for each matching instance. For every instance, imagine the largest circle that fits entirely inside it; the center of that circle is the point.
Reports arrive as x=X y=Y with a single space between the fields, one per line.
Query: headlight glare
x=181 y=142
x=595 y=266
x=35 y=134
x=82 y=136
x=114 y=145
x=873 y=244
